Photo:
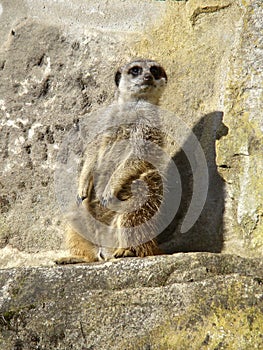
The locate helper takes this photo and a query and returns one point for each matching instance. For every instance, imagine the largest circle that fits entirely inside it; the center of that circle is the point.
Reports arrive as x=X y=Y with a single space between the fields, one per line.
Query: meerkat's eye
x=135 y=71
x=158 y=72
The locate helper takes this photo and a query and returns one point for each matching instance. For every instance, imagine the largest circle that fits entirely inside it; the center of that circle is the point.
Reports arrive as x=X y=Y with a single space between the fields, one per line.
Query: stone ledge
x=97 y=306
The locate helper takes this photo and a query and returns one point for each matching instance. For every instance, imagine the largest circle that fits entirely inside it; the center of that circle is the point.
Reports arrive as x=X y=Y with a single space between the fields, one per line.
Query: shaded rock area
x=181 y=301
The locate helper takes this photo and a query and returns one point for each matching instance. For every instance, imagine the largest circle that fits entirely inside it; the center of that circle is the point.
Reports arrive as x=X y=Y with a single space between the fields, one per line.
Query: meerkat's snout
x=148 y=78
x=141 y=80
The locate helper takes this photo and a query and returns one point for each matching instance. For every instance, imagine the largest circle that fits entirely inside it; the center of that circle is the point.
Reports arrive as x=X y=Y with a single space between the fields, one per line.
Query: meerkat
x=116 y=169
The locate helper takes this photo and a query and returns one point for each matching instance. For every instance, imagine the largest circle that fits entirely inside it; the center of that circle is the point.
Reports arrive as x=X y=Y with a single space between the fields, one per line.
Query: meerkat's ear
x=118 y=77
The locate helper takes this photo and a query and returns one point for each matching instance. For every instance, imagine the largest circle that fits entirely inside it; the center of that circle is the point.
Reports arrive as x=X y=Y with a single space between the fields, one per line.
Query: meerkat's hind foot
x=71 y=260
x=123 y=253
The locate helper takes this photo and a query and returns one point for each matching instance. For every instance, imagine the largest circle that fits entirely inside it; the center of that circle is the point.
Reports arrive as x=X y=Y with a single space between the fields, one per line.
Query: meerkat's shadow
x=207 y=232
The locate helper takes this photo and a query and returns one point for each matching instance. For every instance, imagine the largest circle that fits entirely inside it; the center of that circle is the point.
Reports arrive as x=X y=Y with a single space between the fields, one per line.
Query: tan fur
x=80 y=247
x=127 y=173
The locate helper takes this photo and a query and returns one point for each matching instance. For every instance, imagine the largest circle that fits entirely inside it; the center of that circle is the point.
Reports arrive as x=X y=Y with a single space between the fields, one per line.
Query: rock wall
x=239 y=154
x=57 y=63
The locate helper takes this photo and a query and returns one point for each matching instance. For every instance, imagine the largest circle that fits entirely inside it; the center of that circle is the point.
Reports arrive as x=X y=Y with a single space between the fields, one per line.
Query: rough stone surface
x=240 y=152
x=181 y=301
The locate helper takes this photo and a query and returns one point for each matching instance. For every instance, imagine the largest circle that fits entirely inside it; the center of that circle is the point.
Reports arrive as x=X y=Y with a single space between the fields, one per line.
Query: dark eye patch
x=135 y=71
x=158 y=72
x=117 y=77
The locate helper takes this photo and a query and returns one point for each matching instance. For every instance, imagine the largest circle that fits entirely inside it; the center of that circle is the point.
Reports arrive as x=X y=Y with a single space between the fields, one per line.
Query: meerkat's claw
x=123 y=253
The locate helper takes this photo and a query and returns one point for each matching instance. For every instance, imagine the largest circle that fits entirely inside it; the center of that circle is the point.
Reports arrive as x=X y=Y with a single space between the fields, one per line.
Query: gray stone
x=179 y=301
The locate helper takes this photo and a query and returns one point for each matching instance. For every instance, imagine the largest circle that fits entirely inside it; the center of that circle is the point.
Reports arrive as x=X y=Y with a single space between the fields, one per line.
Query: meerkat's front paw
x=123 y=253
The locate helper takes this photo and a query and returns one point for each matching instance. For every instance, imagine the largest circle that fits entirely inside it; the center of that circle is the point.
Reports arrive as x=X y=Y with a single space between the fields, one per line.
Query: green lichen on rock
x=222 y=329
x=226 y=323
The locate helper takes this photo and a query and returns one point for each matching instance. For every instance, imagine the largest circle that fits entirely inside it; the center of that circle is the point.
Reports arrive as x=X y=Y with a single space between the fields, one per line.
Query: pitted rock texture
x=182 y=301
x=240 y=152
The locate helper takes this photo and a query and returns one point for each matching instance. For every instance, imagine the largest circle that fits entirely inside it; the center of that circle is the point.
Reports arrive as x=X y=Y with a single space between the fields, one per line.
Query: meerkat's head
x=140 y=80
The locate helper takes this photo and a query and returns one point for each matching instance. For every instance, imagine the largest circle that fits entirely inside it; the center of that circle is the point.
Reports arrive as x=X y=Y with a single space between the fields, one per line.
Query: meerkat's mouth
x=146 y=86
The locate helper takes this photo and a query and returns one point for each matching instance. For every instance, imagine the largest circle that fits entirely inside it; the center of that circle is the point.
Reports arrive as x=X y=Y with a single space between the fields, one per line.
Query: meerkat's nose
x=148 y=77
